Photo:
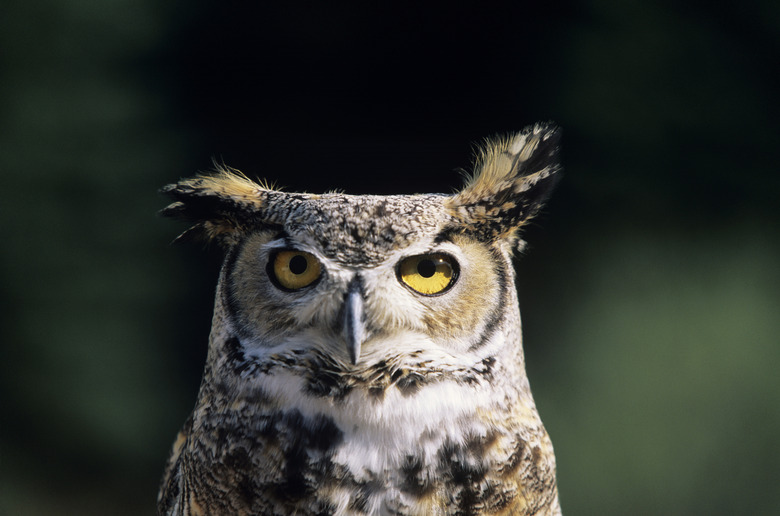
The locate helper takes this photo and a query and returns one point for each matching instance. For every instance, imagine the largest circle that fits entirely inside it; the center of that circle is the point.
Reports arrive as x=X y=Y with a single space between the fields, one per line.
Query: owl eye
x=293 y=270
x=428 y=274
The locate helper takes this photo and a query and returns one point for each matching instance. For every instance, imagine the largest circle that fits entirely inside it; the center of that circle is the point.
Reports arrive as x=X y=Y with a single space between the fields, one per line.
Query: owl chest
x=294 y=462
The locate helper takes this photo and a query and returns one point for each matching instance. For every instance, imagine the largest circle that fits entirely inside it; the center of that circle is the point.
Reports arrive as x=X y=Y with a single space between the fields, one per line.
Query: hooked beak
x=354 y=320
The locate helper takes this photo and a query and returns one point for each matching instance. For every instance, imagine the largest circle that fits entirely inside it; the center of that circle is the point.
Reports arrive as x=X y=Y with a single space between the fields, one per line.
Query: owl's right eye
x=293 y=270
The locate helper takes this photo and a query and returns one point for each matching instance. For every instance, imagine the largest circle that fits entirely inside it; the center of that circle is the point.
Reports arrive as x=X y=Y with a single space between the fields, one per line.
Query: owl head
x=361 y=280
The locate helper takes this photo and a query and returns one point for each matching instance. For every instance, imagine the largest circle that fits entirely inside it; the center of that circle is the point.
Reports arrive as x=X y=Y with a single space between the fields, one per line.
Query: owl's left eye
x=428 y=274
x=293 y=270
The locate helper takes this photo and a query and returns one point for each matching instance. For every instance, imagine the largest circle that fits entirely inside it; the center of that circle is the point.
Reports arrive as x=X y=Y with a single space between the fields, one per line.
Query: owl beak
x=354 y=320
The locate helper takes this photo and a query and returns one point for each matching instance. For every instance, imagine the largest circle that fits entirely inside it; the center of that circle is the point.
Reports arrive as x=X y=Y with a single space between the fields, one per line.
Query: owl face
x=293 y=290
x=363 y=280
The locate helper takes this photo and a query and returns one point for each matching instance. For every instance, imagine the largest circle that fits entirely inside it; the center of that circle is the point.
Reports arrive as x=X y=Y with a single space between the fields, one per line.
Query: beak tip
x=354 y=353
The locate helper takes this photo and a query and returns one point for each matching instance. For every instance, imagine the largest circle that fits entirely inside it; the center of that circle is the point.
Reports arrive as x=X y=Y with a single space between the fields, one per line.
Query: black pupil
x=426 y=268
x=298 y=264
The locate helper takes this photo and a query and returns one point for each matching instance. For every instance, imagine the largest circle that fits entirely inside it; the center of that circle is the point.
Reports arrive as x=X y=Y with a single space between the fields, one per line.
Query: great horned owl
x=365 y=353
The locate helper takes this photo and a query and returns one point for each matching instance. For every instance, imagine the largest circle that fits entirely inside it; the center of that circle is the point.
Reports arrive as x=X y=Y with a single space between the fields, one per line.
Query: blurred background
x=650 y=291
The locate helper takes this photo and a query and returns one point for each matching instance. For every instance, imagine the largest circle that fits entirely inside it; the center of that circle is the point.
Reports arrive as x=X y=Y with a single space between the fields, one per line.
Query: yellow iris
x=293 y=270
x=428 y=274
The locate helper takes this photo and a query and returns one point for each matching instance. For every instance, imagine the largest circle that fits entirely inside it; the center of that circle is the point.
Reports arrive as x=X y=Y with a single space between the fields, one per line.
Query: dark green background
x=649 y=291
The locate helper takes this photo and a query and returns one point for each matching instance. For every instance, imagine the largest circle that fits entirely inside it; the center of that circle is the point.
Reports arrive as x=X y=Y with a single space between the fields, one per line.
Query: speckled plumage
x=357 y=393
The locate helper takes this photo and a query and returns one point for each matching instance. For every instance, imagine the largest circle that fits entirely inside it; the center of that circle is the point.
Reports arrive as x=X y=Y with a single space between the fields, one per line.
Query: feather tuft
x=220 y=205
x=513 y=177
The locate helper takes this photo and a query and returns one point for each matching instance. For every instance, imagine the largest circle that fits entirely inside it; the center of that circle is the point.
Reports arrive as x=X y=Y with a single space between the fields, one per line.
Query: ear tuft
x=513 y=176
x=220 y=206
